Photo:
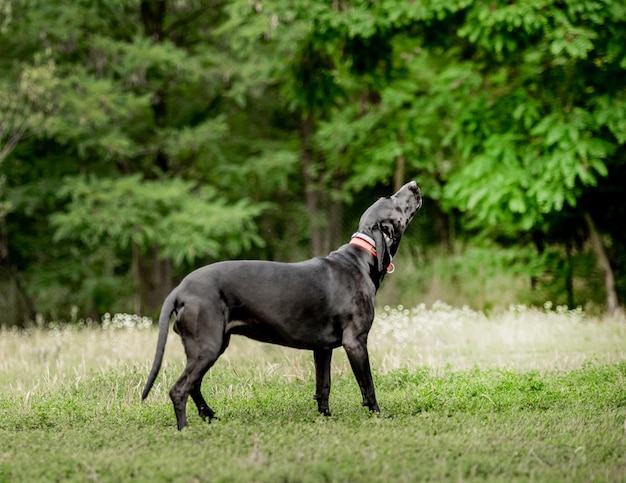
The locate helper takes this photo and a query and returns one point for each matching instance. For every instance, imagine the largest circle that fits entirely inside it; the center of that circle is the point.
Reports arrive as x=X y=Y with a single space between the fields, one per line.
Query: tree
x=136 y=97
x=503 y=109
x=538 y=134
x=172 y=219
x=26 y=97
x=281 y=114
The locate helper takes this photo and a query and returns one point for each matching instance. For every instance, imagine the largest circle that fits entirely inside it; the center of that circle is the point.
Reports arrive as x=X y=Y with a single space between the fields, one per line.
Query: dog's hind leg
x=322 y=358
x=204 y=410
x=203 y=340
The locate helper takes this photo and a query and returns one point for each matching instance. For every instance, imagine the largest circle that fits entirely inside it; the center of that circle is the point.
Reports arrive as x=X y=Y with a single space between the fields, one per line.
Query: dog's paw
x=324 y=411
x=207 y=414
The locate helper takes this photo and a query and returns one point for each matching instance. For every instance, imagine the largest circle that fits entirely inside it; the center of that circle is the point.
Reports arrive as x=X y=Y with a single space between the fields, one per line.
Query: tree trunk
x=400 y=173
x=604 y=264
x=152 y=280
x=325 y=213
x=152 y=276
x=157 y=281
x=442 y=226
x=136 y=276
x=152 y=16
x=16 y=306
x=312 y=192
x=334 y=222
x=569 y=276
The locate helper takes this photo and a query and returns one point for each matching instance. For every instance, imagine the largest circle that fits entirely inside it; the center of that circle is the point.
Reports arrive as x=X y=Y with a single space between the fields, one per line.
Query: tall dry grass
x=552 y=338
x=439 y=337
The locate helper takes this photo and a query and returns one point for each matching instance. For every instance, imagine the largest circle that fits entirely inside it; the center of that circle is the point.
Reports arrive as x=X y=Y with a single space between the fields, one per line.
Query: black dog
x=318 y=304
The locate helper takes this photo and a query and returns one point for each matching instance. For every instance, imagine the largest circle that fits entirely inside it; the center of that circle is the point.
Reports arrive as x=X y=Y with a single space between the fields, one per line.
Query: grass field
x=520 y=395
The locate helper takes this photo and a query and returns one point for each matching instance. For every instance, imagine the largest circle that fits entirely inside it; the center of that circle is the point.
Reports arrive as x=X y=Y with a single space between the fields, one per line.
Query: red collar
x=367 y=243
x=363 y=241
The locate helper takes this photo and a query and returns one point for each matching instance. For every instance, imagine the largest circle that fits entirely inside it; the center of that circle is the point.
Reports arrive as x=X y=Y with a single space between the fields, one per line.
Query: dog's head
x=387 y=219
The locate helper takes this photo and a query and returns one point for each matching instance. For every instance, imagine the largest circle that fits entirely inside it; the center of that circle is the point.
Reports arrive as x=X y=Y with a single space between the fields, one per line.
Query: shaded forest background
x=141 y=139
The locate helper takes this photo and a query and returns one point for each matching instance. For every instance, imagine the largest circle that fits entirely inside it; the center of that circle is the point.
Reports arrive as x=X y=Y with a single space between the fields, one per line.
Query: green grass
x=522 y=395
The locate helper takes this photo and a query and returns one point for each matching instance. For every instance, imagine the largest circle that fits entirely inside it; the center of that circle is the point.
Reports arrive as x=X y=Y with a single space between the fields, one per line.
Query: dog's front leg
x=356 y=349
x=322 y=358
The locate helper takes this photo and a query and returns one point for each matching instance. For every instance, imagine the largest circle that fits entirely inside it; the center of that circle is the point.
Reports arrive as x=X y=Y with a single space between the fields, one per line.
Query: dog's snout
x=413 y=188
x=415 y=195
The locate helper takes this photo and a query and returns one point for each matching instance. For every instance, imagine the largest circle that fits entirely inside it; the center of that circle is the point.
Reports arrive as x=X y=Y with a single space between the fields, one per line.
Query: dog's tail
x=164 y=325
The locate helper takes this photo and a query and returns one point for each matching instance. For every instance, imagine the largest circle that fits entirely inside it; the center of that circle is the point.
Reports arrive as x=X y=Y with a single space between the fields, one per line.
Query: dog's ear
x=382 y=249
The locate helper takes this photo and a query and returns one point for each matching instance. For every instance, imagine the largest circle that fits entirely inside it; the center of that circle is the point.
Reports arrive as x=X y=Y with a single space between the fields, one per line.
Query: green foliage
x=535 y=138
x=511 y=115
x=186 y=223
x=26 y=101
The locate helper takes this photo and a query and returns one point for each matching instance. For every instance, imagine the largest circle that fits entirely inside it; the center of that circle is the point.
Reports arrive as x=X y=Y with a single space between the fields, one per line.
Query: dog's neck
x=367 y=243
